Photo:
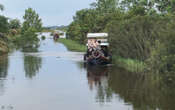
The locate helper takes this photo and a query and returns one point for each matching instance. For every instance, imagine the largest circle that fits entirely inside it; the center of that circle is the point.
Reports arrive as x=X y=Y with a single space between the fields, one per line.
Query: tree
x=105 y=6
x=14 y=24
x=147 y=5
x=32 y=24
x=3 y=24
x=1 y=7
x=92 y=20
x=31 y=20
x=165 y=6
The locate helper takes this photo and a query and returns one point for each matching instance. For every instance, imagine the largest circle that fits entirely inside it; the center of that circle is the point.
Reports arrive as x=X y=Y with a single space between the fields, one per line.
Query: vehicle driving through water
x=97 y=49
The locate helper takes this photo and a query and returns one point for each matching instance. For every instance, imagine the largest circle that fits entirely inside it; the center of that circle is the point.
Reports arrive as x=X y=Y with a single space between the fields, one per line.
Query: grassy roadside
x=128 y=64
x=73 y=45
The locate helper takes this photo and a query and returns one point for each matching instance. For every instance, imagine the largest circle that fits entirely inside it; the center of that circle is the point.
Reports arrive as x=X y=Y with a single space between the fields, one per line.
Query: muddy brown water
x=54 y=78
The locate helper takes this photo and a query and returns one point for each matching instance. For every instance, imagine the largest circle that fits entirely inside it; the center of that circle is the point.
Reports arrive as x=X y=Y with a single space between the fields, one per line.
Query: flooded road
x=53 y=78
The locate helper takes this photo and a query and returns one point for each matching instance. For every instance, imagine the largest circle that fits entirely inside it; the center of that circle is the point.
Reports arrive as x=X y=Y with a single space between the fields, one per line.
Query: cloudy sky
x=52 y=12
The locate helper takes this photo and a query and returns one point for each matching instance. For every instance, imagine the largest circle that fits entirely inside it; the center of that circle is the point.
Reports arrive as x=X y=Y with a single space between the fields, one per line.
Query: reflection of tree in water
x=30 y=49
x=97 y=79
x=143 y=91
x=3 y=66
x=3 y=71
x=32 y=65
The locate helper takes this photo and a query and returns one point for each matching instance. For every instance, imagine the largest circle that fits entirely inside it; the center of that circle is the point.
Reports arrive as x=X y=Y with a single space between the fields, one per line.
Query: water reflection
x=142 y=91
x=3 y=66
x=32 y=64
x=98 y=80
x=111 y=87
x=3 y=72
x=30 y=49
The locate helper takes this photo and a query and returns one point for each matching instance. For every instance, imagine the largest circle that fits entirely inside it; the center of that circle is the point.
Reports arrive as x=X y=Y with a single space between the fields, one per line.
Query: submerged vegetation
x=141 y=31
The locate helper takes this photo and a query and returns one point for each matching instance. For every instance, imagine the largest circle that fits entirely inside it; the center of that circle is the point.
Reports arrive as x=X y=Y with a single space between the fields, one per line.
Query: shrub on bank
x=146 y=38
x=43 y=37
x=149 y=39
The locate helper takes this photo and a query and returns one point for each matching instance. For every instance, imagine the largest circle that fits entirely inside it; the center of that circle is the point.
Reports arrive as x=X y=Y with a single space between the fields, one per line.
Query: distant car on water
x=58 y=34
x=97 y=49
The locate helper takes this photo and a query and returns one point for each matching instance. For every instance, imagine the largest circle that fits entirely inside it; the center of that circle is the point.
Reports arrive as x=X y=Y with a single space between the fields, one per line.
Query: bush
x=150 y=39
x=43 y=37
x=3 y=24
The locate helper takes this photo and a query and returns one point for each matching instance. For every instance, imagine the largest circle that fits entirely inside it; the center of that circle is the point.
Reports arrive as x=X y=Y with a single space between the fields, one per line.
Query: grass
x=129 y=64
x=73 y=45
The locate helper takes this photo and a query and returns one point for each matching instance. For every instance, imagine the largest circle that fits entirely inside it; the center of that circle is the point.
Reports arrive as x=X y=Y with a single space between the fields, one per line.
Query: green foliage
x=136 y=30
x=165 y=6
x=3 y=24
x=29 y=38
x=14 y=24
x=31 y=20
x=3 y=31
x=88 y=20
x=73 y=45
x=81 y=25
x=163 y=55
x=43 y=37
x=134 y=34
x=129 y=4
x=32 y=24
x=145 y=38
x=105 y=6
x=129 y=64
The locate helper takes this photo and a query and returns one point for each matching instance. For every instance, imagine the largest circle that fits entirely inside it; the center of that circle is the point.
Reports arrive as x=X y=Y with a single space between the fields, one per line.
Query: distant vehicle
x=58 y=34
x=97 y=49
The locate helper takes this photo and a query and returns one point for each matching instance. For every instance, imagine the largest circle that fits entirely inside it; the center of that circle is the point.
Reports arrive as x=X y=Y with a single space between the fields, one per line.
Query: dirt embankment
x=3 y=44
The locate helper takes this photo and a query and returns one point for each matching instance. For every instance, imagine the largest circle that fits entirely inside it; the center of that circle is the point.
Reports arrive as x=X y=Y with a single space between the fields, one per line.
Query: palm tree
x=1 y=7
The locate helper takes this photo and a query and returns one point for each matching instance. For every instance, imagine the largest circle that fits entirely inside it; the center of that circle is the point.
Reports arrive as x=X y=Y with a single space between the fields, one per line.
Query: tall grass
x=129 y=64
x=73 y=45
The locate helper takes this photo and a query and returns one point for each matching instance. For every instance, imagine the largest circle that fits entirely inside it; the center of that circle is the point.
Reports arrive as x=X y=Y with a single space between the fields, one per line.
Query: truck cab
x=97 y=49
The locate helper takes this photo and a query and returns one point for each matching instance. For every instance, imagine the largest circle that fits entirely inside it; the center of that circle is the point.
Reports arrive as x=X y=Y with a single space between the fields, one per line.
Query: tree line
x=141 y=30
x=13 y=33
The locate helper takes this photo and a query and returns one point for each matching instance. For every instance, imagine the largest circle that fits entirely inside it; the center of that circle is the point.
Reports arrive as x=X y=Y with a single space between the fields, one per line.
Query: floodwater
x=54 y=78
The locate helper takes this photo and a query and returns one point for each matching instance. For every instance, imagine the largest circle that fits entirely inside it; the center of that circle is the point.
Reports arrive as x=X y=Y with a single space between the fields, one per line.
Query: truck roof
x=97 y=35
